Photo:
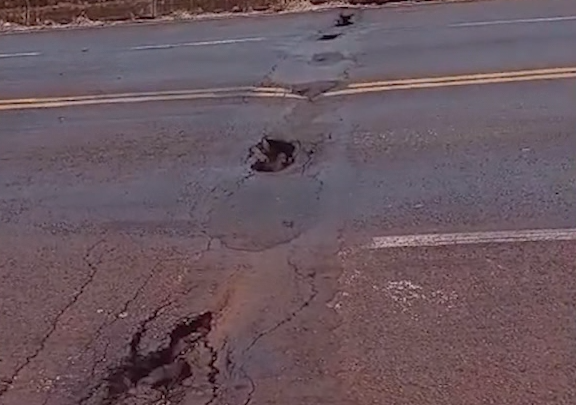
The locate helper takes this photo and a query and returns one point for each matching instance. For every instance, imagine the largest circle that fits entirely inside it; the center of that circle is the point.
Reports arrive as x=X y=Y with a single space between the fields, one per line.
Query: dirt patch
x=272 y=155
x=47 y=12
x=18 y=14
x=52 y=13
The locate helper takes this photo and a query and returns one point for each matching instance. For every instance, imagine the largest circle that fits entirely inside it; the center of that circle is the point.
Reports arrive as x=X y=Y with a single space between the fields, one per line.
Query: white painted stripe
x=520 y=21
x=474 y=238
x=19 y=55
x=201 y=43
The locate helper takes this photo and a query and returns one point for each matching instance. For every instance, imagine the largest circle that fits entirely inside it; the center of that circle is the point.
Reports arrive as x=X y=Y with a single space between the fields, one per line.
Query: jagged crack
x=93 y=269
x=166 y=368
x=291 y=316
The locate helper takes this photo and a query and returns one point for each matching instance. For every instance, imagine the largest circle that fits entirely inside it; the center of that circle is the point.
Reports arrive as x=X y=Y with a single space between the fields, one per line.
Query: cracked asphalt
x=143 y=261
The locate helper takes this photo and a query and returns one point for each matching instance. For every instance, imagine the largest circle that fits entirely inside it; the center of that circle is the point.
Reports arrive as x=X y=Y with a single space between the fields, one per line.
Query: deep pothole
x=328 y=37
x=272 y=155
x=314 y=89
x=344 y=20
x=165 y=369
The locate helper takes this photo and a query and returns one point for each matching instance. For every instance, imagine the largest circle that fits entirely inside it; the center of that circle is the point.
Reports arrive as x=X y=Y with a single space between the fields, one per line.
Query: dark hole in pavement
x=344 y=20
x=161 y=369
x=314 y=89
x=273 y=155
x=327 y=57
x=4 y=385
x=328 y=37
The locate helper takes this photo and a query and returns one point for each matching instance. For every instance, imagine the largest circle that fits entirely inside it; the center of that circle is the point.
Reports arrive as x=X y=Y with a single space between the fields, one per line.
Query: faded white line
x=201 y=43
x=520 y=21
x=473 y=238
x=19 y=55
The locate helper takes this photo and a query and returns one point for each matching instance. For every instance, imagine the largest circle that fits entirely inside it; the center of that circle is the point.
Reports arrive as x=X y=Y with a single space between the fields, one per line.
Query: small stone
x=168 y=374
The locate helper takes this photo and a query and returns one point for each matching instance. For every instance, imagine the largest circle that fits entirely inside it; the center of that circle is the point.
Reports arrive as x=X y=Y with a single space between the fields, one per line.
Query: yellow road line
x=278 y=92
x=477 y=76
x=146 y=94
x=125 y=98
x=391 y=86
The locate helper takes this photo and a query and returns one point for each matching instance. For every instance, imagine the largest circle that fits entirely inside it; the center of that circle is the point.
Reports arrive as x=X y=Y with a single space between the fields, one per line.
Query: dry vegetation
x=42 y=13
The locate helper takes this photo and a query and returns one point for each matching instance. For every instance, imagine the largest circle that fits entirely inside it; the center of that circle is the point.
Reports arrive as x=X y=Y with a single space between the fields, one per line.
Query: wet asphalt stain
x=165 y=369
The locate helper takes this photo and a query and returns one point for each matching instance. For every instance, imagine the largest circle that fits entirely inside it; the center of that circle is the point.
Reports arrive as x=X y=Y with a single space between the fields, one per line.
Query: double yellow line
x=449 y=81
x=128 y=98
x=279 y=92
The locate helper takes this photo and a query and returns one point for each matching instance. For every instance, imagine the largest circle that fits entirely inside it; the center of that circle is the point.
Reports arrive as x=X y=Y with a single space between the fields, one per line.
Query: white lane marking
x=201 y=43
x=520 y=21
x=19 y=55
x=472 y=238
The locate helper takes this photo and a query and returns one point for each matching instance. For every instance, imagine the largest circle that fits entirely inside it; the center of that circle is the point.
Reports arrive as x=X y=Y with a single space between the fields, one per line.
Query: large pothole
x=344 y=20
x=272 y=155
x=162 y=373
x=328 y=37
x=314 y=89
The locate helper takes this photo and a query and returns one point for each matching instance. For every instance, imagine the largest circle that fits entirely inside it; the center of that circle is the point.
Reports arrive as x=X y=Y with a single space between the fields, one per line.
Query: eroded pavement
x=145 y=260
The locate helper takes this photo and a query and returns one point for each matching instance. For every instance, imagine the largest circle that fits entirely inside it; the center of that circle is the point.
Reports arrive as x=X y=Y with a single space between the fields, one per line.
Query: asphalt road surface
x=420 y=249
